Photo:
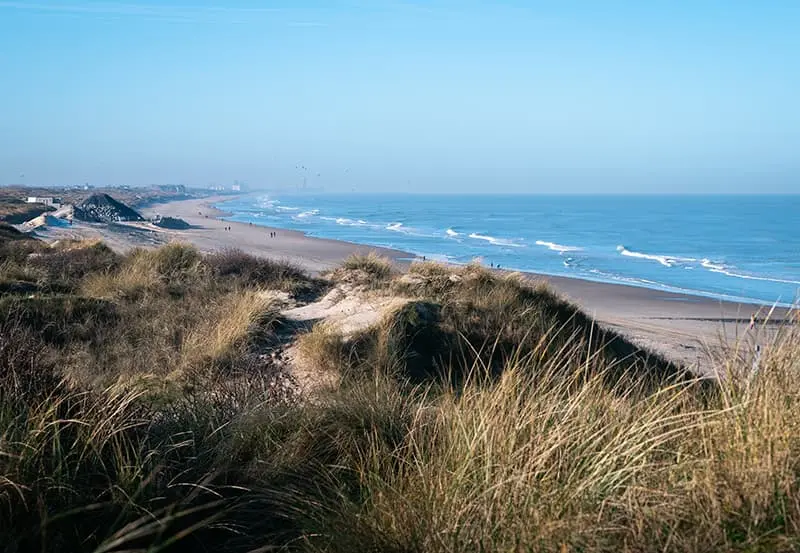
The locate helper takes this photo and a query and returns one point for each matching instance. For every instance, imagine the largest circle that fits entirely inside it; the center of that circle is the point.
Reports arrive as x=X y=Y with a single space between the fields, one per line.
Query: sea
x=733 y=247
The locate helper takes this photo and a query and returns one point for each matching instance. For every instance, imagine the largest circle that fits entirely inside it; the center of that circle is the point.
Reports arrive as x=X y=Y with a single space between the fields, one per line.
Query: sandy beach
x=208 y=233
x=683 y=327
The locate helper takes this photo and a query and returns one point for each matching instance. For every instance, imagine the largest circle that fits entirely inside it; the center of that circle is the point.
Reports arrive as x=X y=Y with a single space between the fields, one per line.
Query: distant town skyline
x=393 y=96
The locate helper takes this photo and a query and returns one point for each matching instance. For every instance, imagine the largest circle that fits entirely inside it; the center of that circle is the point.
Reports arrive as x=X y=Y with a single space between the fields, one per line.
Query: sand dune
x=682 y=327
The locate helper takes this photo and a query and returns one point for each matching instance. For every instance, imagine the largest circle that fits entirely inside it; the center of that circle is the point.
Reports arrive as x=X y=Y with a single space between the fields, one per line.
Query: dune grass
x=536 y=464
x=368 y=269
x=484 y=415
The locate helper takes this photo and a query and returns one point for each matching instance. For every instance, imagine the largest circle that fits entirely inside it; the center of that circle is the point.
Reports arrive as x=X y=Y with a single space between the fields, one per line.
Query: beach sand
x=208 y=234
x=682 y=327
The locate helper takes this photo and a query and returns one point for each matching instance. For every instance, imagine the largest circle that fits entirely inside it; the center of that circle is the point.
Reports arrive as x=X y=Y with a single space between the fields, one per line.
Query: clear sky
x=393 y=95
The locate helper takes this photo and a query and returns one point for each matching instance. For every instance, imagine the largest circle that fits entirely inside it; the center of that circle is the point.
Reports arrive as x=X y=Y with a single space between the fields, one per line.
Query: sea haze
x=731 y=247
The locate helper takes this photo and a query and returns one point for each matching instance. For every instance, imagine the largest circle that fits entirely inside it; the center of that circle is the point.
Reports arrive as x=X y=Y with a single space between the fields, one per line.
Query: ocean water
x=731 y=247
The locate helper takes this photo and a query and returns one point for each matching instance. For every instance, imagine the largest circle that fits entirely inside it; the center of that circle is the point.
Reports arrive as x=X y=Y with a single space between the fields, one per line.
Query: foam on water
x=708 y=264
x=666 y=260
x=558 y=247
x=494 y=241
x=726 y=270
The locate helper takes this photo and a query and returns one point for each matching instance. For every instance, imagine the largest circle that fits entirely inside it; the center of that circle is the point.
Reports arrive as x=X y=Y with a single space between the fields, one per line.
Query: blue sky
x=393 y=95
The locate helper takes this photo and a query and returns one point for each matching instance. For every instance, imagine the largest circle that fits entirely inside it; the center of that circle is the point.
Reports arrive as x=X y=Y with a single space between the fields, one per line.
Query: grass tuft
x=370 y=269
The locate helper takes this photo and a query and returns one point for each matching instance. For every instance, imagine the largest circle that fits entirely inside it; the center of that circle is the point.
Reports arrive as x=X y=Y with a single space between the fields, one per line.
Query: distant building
x=236 y=187
x=46 y=200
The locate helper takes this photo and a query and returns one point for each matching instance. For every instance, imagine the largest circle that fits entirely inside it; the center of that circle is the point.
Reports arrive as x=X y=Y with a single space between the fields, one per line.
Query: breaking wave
x=558 y=247
x=665 y=260
x=728 y=271
x=495 y=241
x=712 y=266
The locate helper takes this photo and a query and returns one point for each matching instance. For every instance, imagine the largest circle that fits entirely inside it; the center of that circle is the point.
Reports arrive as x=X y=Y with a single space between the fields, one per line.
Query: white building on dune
x=46 y=200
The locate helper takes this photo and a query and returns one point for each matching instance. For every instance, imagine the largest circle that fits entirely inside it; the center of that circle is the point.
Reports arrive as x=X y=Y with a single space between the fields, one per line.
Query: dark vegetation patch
x=235 y=266
x=174 y=223
x=68 y=264
x=60 y=320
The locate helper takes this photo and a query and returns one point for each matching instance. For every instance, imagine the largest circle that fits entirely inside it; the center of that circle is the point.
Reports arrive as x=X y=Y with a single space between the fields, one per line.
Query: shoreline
x=681 y=326
x=208 y=233
x=677 y=292
x=674 y=293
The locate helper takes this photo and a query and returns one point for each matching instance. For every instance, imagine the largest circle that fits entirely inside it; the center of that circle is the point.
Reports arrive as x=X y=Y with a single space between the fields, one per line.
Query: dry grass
x=174 y=314
x=543 y=442
x=228 y=327
x=544 y=465
x=171 y=269
x=322 y=349
x=370 y=270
